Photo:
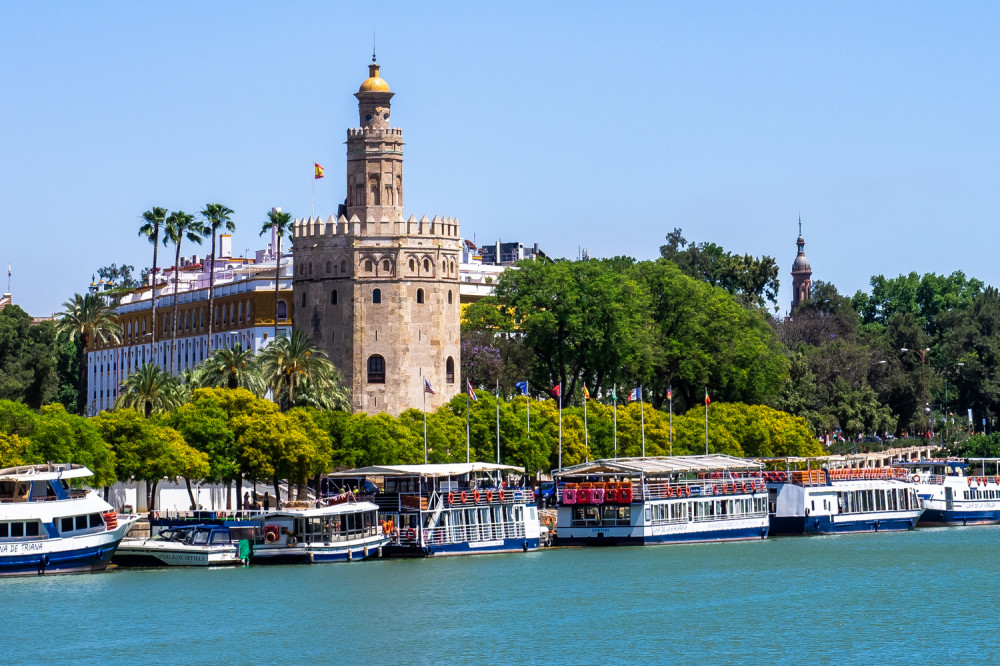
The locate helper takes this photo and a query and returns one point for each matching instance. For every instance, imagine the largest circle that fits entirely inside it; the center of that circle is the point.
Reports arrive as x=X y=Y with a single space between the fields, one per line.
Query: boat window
x=4 y=530
x=66 y=525
x=96 y=520
x=17 y=529
x=200 y=537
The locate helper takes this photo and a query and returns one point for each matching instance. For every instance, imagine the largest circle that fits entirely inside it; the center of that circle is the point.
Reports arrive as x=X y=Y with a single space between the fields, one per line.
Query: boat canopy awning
x=46 y=472
x=429 y=471
x=660 y=465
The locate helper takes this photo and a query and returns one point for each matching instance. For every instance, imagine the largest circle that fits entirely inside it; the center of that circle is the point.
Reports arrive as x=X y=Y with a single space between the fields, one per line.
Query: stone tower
x=379 y=292
x=801 y=273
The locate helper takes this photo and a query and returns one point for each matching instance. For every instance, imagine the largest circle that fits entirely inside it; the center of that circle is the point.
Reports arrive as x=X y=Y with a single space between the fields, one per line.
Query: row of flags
x=634 y=395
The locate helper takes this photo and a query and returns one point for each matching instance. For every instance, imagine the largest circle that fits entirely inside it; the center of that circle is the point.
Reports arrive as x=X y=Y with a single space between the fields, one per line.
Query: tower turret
x=801 y=273
x=374 y=155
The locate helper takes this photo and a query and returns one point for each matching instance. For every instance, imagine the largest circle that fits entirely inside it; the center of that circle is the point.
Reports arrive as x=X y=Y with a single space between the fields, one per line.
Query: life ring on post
x=475 y=497
x=451 y=498
x=548 y=521
x=500 y=494
x=465 y=498
x=489 y=496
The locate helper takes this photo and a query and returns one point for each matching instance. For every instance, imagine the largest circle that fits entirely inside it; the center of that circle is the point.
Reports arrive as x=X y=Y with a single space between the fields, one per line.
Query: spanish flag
x=319 y=170
x=586 y=393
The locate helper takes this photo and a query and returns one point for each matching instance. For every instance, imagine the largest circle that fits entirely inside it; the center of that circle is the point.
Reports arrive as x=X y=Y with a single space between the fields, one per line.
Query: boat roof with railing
x=952 y=463
x=44 y=472
x=661 y=465
x=433 y=470
x=319 y=512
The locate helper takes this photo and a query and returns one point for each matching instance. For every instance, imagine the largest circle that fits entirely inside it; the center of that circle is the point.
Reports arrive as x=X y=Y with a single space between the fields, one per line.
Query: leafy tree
x=120 y=277
x=68 y=371
x=151 y=389
x=925 y=297
x=379 y=439
x=153 y=220
x=204 y=424
x=178 y=226
x=298 y=372
x=233 y=368
x=67 y=438
x=88 y=320
x=217 y=218
x=280 y=223
x=13 y=449
x=764 y=432
x=16 y=418
x=971 y=336
x=28 y=355
x=750 y=280
x=311 y=450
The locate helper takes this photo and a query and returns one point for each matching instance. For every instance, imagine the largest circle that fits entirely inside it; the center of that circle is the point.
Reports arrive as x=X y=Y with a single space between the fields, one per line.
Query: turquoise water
x=922 y=596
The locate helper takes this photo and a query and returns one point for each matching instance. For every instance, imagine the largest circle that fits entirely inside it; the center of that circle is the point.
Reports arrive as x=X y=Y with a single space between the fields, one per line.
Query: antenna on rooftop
x=373 y=46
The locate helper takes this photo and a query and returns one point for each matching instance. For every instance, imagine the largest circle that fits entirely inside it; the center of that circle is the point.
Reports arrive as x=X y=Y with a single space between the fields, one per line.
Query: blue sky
x=573 y=125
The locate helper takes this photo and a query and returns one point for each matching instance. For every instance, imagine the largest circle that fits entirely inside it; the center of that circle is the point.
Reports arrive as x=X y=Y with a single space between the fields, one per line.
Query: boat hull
x=58 y=560
x=945 y=518
x=466 y=548
x=794 y=525
x=138 y=556
x=613 y=537
x=315 y=554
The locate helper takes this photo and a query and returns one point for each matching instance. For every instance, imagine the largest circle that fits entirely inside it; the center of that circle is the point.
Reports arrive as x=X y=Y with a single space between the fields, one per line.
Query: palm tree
x=87 y=319
x=151 y=389
x=151 y=230
x=297 y=371
x=281 y=224
x=233 y=368
x=180 y=225
x=216 y=217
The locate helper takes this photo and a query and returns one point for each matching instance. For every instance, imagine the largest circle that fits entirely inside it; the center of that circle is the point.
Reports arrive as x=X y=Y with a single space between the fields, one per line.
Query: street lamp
x=922 y=354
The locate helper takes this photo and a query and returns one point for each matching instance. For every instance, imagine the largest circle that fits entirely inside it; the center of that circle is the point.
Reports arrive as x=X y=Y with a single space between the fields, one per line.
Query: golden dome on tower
x=374 y=82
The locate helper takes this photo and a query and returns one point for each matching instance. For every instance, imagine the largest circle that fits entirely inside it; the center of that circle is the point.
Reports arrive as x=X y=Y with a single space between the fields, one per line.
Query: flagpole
x=467 y=454
x=498 y=421
x=614 y=399
x=706 y=420
x=313 y=214
x=586 y=437
x=670 y=392
x=642 y=418
x=559 y=397
x=424 y=393
x=527 y=405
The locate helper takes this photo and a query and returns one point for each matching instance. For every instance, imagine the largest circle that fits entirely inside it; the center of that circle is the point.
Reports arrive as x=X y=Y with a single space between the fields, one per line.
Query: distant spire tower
x=801 y=273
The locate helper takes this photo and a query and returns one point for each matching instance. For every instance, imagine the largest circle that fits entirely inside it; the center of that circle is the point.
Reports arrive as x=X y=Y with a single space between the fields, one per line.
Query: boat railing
x=659 y=489
x=453 y=534
x=453 y=498
x=201 y=515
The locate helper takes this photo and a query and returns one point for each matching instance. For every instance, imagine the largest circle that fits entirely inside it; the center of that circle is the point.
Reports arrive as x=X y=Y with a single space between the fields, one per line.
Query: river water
x=923 y=596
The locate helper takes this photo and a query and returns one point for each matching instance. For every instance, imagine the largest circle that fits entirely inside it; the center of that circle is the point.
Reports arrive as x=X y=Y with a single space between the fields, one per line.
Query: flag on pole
x=557 y=390
x=318 y=170
x=472 y=393
x=586 y=393
x=707 y=399
x=670 y=394
x=427 y=387
x=522 y=387
x=636 y=394
x=614 y=393
x=8 y=269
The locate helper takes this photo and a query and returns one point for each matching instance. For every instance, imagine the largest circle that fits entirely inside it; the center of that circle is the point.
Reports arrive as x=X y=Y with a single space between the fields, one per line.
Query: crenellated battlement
x=313 y=227
x=373 y=132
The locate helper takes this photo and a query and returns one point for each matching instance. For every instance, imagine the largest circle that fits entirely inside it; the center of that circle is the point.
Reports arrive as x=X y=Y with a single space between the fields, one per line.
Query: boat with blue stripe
x=661 y=500
x=49 y=525
x=443 y=509
x=841 y=500
x=956 y=492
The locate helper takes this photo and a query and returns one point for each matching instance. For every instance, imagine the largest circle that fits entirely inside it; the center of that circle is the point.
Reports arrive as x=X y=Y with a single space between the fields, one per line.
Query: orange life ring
x=465 y=498
x=916 y=479
x=451 y=498
x=475 y=496
x=548 y=520
x=489 y=496
x=411 y=534
x=501 y=494
x=687 y=491
x=715 y=490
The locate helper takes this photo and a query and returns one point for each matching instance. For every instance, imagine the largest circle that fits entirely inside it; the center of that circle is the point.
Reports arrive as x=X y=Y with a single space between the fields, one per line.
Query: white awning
x=47 y=472
x=660 y=465
x=430 y=471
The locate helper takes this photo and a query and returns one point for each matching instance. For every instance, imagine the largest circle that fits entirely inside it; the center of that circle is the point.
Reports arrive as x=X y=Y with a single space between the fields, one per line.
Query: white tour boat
x=195 y=546
x=954 y=494
x=340 y=529
x=661 y=500
x=47 y=526
x=451 y=508
x=842 y=500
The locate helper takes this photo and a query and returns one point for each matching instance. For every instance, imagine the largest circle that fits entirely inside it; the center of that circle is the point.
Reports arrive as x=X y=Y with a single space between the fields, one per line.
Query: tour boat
x=196 y=546
x=952 y=495
x=661 y=500
x=338 y=529
x=452 y=508
x=834 y=501
x=47 y=526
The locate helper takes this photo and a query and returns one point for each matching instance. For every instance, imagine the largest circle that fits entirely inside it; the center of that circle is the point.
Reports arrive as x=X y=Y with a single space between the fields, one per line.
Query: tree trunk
x=302 y=494
x=277 y=275
x=239 y=493
x=318 y=484
x=277 y=493
x=229 y=495
x=81 y=388
x=173 y=322
x=151 y=502
x=194 y=504
x=152 y=332
x=211 y=293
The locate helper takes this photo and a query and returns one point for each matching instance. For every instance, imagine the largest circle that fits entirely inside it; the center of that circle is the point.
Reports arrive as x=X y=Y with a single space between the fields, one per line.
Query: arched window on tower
x=303 y=299
x=374 y=192
x=413 y=265
x=420 y=295
x=368 y=265
x=376 y=296
x=386 y=267
x=333 y=297
x=343 y=268
x=282 y=310
x=449 y=297
x=449 y=370
x=329 y=267
x=376 y=369
x=427 y=265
